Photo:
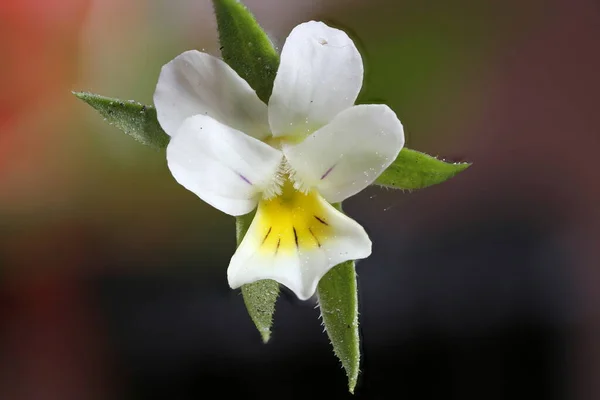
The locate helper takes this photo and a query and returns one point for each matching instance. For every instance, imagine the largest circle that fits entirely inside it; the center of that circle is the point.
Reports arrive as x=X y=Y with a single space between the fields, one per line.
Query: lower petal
x=295 y=239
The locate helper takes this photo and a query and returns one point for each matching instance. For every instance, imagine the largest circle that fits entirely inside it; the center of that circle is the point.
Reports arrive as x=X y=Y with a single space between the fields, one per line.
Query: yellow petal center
x=292 y=221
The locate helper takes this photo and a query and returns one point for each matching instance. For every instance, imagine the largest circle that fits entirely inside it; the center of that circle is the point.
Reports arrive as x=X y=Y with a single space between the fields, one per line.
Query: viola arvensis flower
x=310 y=147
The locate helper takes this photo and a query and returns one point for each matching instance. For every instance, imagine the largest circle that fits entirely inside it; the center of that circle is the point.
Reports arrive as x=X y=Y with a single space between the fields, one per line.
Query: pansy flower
x=291 y=159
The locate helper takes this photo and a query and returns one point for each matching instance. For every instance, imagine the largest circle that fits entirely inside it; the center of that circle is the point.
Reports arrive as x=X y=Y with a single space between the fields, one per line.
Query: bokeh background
x=112 y=276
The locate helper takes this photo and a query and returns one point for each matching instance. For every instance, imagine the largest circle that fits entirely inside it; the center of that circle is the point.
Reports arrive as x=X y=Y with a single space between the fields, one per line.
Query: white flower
x=311 y=146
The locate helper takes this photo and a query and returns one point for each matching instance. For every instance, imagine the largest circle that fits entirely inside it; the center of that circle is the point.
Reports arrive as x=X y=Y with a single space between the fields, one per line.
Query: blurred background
x=112 y=276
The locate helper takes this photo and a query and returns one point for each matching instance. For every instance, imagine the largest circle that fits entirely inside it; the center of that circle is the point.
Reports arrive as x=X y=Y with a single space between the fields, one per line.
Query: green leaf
x=260 y=296
x=338 y=300
x=246 y=47
x=135 y=119
x=416 y=170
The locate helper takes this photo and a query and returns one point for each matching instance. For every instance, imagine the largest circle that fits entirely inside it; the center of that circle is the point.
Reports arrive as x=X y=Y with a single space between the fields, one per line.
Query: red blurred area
x=42 y=320
x=39 y=57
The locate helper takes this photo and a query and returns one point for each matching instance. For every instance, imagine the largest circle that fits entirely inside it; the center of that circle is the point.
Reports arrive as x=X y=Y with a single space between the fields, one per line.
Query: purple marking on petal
x=328 y=171
x=244 y=178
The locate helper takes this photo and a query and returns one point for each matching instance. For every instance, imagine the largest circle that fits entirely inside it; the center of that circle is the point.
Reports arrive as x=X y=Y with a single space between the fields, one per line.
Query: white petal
x=347 y=155
x=197 y=83
x=319 y=76
x=224 y=167
x=295 y=243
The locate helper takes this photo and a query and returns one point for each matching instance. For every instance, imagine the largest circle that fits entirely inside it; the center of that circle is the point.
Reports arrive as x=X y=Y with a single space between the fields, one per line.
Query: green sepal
x=260 y=296
x=337 y=293
x=415 y=170
x=135 y=119
x=246 y=47
x=248 y=50
x=338 y=300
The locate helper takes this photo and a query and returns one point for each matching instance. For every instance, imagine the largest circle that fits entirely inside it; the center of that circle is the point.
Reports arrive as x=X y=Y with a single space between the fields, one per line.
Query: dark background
x=113 y=277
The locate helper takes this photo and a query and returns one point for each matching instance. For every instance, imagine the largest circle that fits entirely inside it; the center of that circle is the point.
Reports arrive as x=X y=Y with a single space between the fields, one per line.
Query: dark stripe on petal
x=316 y=238
x=295 y=235
x=244 y=178
x=327 y=172
x=267 y=235
x=321 y=221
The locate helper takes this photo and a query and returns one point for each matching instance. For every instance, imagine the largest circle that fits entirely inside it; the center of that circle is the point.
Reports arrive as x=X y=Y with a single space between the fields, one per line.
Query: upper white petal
x=302 y=268
x=320 y=75
x=197 y=83
x=347 y=155
x=223 y=166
